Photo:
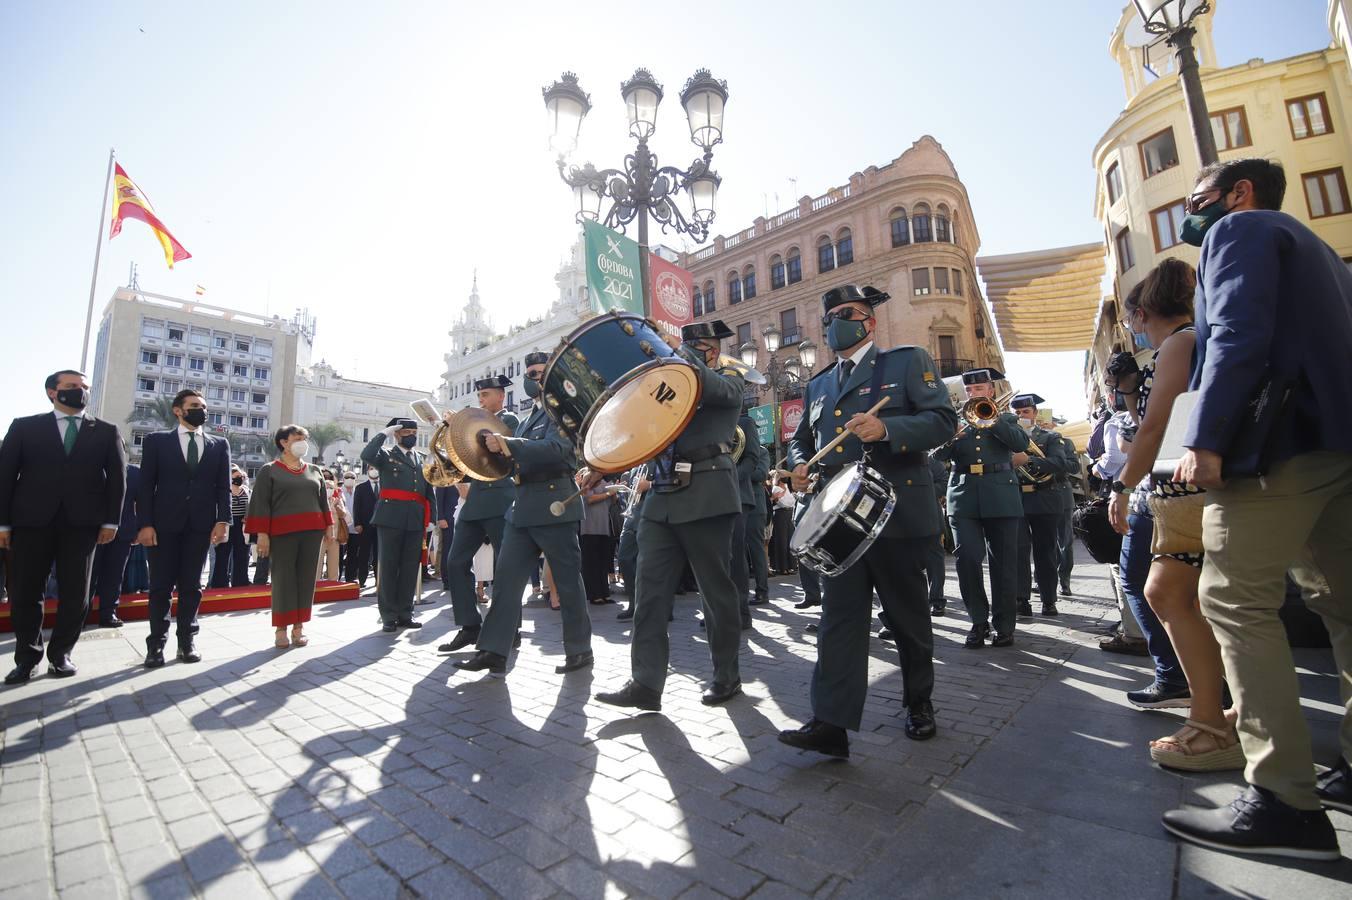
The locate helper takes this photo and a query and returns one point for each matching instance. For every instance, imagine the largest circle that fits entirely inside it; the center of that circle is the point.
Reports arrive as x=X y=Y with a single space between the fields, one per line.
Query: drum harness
x=672 y=471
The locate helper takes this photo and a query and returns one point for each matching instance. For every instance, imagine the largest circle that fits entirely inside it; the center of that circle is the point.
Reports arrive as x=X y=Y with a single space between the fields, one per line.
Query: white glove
x=391 y=432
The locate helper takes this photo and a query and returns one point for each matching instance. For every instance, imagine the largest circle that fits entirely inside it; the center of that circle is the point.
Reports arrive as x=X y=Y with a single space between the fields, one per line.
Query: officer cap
x=981 y=376
x=537 y=358
x=401 y=422
x=705 y=331
x=501 y=382
x=1024 y=401
x=852 y=293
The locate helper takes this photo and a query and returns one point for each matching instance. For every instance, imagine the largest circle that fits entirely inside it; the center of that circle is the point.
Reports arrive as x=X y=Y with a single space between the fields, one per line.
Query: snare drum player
x=689 y=516
x=545 y=464
x=485 y=505
x=917 y=417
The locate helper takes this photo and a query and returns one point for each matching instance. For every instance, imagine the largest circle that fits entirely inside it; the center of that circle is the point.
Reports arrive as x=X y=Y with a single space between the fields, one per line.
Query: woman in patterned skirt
x=289 y=511
x=1160 y=316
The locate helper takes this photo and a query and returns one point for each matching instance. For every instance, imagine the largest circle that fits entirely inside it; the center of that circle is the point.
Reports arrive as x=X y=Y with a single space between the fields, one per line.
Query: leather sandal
x=282 y=642
x=1199 y=748
x=297 y=638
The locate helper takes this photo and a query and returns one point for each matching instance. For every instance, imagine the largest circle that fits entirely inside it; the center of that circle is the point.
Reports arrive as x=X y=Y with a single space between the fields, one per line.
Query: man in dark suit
x=61 y=487
x=448 y=498
x=361 y=554
x=183 y=508
x=110 y=559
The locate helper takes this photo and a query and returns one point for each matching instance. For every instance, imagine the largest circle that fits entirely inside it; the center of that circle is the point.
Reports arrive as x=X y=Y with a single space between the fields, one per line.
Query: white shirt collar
x=184 y=429
x=61 y=417
x=858 y=356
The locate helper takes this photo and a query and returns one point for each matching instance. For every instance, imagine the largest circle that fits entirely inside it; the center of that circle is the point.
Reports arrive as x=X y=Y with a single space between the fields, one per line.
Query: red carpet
x=214 y=600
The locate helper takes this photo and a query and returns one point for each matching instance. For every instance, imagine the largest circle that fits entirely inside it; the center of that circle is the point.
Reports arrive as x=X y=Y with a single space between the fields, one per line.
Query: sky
x=362 y=160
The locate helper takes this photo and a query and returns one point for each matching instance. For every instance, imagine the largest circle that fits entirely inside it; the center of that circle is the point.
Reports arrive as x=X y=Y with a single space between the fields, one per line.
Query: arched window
x=749 y=283
x=826 y=254
x=901 y=228
x=776 y=272
x=709 y=297
x=920 y=224
x=734 y=288
x=844 y=247
x=794 y=266
x=942 y=231
x=698 y=300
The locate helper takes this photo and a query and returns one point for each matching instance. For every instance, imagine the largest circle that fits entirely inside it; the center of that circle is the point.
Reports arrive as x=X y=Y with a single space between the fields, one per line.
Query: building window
x=1230 y=127
x=199 y=338
x=137 y=438
x=920 y=282
x=957 y=282
x=920 y=225
x=151 y=328
x=259 y=398
x=240 y=371
x=511 y=399
x=173 y=359
x=776 y=273
x=749 y=284
x=1158 y=152
x=743 y=334
x=322 y=404
x=263 y=348
x=221 y=342
x=709 y=297
x=242 y=346
x=258 y=422
x=215 y=418
x=145 y=384
x=236 y=421
x=734 y=288
x=1166 y=221
x=941 y=281
x=698 y=300
x=218 y=368
x=197 y=364
x=901 y=229
x=948 y=348
x=216 y=393
x=788 y=327
x=794 y=266
x=1325 y=193
x=1126 y=258
x=942 y=232
x=175 y=334
x=236 y=396
x=261 y=372
x=826 y=255
x=1309 y=116
x=845 y=248
x=170 y=386
x=1114 y=182
x=150 y=357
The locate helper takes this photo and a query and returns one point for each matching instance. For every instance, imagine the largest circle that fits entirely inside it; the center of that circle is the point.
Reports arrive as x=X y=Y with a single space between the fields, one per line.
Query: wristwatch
x=1120 y=488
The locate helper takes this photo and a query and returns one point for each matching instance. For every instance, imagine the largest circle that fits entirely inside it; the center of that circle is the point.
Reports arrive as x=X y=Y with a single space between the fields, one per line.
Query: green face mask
x=842 y=334
x=1195 y=226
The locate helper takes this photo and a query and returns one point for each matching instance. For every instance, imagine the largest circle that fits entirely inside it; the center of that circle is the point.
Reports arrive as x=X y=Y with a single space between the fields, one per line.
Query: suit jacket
x=1271 y=297
x=491 y=499
x=448 y=498
x=126 y=529
x=400 y=470
x=918 y=417
x=364 y=499
x=171 y=500
x=544 y=473
x=37 y=478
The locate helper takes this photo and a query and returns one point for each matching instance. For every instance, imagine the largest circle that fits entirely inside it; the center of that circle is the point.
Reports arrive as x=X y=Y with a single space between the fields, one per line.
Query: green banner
x=613 y=272
x=764 y=417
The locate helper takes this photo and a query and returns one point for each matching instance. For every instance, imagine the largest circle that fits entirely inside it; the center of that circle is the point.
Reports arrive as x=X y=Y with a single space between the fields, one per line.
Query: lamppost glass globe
x=749 y=353
x=807 y=352
x=771 y=335
x=567 y=105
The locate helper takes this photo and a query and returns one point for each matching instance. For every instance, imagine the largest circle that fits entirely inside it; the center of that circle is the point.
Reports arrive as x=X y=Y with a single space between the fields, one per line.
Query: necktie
x=846 y=368
x=192 y=452
x=72 y=432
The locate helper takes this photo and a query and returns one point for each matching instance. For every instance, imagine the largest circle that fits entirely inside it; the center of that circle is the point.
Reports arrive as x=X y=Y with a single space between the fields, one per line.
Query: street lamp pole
x=1174 y=18
x=780 y=377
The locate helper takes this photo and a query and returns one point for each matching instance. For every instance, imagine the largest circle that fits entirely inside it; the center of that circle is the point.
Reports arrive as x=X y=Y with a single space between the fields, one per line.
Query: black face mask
x=408 y=441
x=237 y=481
x=75 y=398
x=195 y=417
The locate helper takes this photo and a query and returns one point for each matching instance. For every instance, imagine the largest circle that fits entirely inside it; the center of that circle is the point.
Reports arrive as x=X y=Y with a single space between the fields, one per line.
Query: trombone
x=980 y=413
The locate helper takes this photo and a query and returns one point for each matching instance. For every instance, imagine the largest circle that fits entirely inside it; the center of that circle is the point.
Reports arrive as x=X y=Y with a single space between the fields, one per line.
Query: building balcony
x=949 y=368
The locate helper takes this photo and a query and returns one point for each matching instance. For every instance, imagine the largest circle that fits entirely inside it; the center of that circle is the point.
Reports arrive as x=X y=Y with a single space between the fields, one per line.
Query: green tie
x=72 y=432
x=192 y=452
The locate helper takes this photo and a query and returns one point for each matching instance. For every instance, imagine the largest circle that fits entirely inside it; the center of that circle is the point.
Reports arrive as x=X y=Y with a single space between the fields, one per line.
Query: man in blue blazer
x=1271 y=442
x=183 y=509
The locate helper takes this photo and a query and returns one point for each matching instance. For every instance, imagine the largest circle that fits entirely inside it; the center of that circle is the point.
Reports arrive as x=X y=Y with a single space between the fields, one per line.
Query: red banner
x=670 y=292
x=790 y=414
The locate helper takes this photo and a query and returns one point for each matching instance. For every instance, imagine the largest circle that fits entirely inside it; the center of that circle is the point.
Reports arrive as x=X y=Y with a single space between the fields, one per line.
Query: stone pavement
x=366 y=766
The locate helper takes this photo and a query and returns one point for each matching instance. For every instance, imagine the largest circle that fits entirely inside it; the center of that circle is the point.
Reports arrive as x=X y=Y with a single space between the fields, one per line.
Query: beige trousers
x=1302 y=521
x=328 y=559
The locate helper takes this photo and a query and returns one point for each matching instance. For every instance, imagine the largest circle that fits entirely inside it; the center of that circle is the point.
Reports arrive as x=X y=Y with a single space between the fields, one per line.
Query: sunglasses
x=536 y=376
x=1203 y=199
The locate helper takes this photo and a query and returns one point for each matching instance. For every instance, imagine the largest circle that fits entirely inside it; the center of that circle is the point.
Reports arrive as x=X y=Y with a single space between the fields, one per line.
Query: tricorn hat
x=852 y=293
x=1023 y=401
x=402 y=422
x=981 y=376
x=705 y=331
x=501 y=382
x=537 y=358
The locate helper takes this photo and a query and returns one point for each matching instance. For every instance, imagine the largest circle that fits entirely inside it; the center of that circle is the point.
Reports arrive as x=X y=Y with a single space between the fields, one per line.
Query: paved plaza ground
x=366 y=766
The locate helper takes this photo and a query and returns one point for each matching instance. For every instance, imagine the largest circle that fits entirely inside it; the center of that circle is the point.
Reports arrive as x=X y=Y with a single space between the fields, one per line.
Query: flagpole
x=94 y=276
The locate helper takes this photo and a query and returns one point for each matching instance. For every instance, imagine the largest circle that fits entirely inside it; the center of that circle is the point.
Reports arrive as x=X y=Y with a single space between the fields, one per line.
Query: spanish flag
x=130 y=203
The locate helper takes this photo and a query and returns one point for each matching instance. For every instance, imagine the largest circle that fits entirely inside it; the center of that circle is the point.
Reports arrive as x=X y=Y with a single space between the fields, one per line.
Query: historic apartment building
x=363 y=408
x=906 y=228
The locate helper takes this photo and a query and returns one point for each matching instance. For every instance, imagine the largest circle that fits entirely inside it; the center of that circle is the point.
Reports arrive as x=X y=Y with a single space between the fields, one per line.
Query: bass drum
x=844 y=520
x=618 y=391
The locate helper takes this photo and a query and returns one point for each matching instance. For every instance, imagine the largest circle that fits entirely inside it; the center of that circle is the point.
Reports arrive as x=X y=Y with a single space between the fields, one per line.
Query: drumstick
x=558 y=506
x=844 y=434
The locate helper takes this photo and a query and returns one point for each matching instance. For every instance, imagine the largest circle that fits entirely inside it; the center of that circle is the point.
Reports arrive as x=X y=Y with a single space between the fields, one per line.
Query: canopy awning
x=1045 y=300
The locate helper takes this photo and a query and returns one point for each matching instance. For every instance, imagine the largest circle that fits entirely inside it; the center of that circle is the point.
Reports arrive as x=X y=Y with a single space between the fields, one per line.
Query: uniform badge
x=929 y=377
x=569 y=388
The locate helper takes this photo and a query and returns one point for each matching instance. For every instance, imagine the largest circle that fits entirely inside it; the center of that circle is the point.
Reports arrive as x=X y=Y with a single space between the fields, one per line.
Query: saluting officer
x=985 y=509
x=1039 y=535
x=916 y=418
x=407 y=503
x=544 y=467
x=481 y=517
x=688 y=516
x=748 y=532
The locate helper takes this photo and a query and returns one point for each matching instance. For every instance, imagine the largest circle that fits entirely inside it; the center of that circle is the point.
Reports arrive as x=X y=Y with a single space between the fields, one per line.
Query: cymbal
x=465 y=443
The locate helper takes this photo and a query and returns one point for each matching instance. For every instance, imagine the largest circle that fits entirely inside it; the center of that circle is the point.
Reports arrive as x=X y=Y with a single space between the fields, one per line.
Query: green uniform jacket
x=713 y=482
x=400 y=470
x=1072 y=457
x=918 y=417
x=544 y=473
x=993 y=495
x=1046 y=499
x=491 y=499
x=753 y=468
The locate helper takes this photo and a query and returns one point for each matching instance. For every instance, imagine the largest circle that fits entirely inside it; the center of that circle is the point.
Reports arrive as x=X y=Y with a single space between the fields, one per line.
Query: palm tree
x=159 y=410
x=324 y=434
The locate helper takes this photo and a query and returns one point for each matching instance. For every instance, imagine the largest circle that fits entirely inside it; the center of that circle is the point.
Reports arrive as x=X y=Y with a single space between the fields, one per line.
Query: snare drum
x=618 y=391
x=844 y=520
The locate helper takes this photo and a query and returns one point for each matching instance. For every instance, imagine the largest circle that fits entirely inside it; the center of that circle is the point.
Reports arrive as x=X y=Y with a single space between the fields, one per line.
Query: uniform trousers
x=1039 y=555
x=400 y=562
x=1065 y=538
x=780 y=559
x=741 y=563
x=936 y=567
x=755 y=547
x=1251 y=534
x=664 y=551
x=895 y=568
x=110 y=561
x=627 y=553
x=521 y=547
x=176 y=561
x=973 y=538
x=33 y=550
x=444 y=556
x=468 y=538
x=295 y=560
x=809 y=579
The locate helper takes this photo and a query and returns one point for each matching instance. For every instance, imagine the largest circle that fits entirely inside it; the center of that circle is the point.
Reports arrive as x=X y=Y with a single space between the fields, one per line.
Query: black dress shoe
x=389 y=627
x=111 y=622
x=1002 y=640
x=811 y=628
x=720 y=693
x=976 y=638
x=61 y=668
x=407 y=623
x=1049 y=609
x=154 y=658
x=484 y=660
x=820 y=737
x=633 y=695
x=886 y=635
x=758 y=601
x=516 y=641
x=1334 y=787
x=805 y=604
x=1025 y=608
x=188 y=653
x=1257 y=822
x=748 y=624
x=21 y=674
x=626 y=614
x=575 y=661
x=937 y=609
x=465 y=637
x=920 y=721
x=1065 y=589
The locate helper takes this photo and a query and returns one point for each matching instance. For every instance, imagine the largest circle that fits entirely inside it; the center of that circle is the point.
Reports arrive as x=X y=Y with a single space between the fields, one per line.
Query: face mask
x=408 y=441
x=374 y=476
x=1026 y=424
x=842 y=334
x=237 y=481
x=1142 y=340
x=1195 y=226
x=1119 y=402
x=349 y=481
x=195 y=417
x=75 y=398
x=300 y=449
x=532 y=388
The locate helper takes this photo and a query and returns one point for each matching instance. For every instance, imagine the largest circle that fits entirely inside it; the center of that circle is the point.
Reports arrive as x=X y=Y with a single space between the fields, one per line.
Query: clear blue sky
x=362 y=159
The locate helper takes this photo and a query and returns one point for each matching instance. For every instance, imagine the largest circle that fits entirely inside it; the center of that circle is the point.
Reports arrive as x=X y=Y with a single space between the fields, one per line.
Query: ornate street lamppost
x=780 y=377
x=642 y=188
x=1174 y=18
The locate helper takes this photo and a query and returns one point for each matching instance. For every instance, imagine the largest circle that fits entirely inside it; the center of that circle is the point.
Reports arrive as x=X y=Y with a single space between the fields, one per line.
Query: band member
x=545 y=465
x=402 y=513
x=985 y=509
x=1065 y=535
x=1039 y=535
x=916 y=417
x=689 y=516
x=626 y=554
x=752 y=469
x=936 y=566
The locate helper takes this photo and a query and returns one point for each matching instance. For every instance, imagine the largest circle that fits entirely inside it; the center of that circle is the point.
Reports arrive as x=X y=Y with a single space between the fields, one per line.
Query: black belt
x=1032 y=488
x=700 y=454
x=536 y=477
x=982 y=469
